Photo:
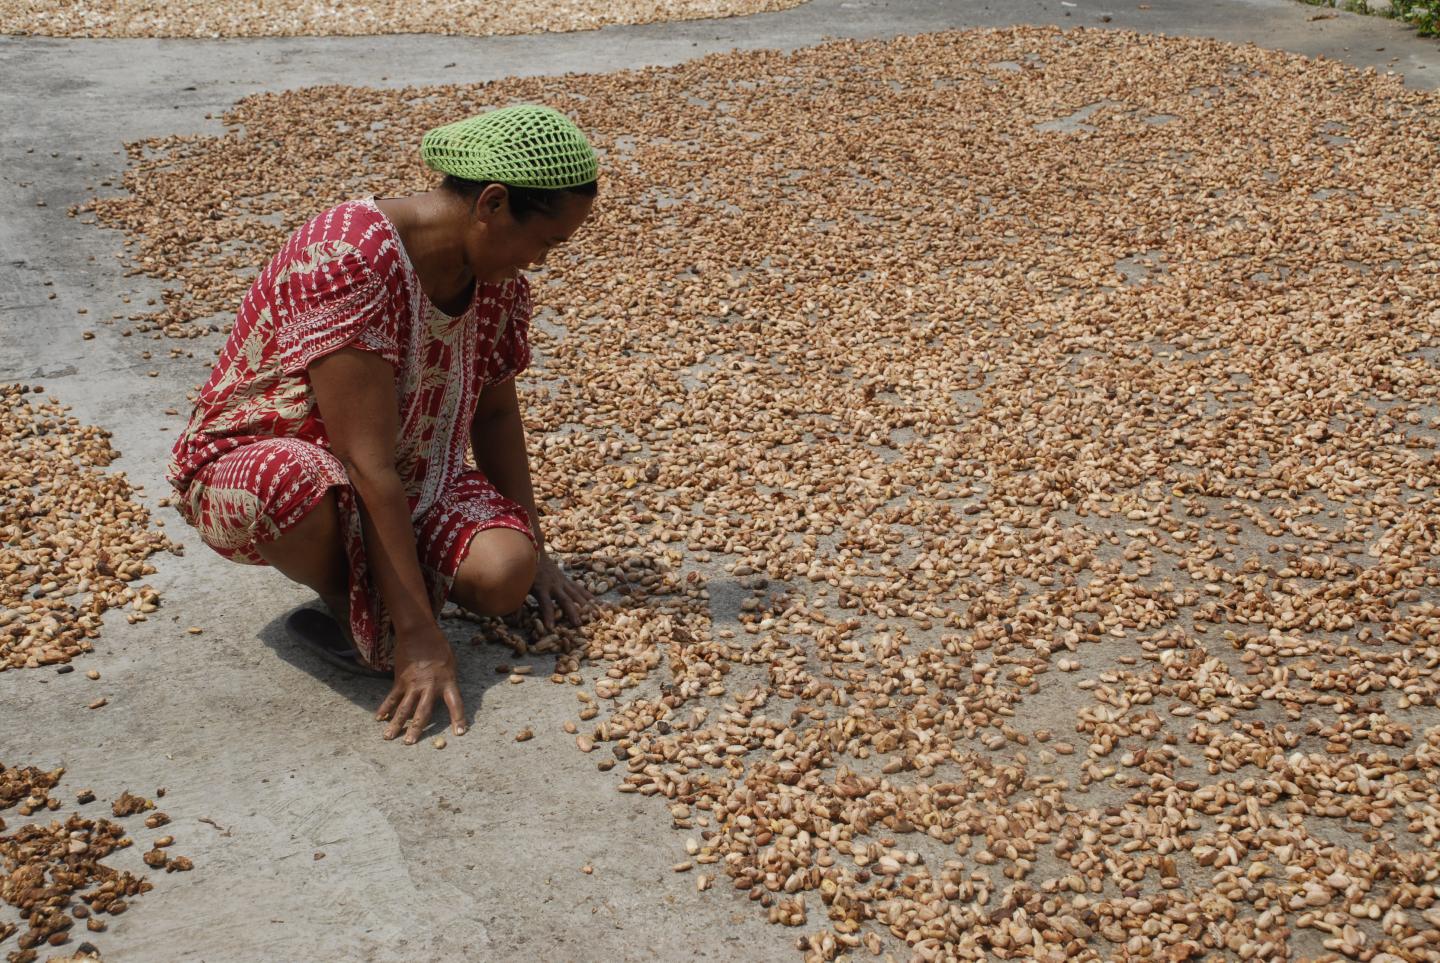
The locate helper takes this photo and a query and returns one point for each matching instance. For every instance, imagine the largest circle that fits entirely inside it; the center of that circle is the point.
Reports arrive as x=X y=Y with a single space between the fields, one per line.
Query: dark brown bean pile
x=73 y=539
x=52 y=873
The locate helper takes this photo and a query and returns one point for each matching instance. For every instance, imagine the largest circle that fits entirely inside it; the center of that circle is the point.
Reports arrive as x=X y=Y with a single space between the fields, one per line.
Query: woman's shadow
x=481 y=661
x=484 y=649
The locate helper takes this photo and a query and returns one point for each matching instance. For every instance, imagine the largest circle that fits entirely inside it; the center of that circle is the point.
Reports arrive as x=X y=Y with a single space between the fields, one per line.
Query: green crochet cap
x=523 y=146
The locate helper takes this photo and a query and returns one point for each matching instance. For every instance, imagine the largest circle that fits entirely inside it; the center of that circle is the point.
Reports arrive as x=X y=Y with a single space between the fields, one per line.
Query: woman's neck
x=430 y=226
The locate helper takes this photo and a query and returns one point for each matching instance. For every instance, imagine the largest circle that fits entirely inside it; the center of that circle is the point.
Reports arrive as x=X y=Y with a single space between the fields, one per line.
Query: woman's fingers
x=457 y=709
x=402 y=714
x=391 y=701
x=554 y=590
x=421 y=718
x=576 y=592
x=572 y=613
x=569 y=607
x=585 y=603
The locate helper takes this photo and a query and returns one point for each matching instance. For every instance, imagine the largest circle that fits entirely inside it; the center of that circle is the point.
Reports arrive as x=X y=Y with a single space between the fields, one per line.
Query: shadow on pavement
x=481 y=666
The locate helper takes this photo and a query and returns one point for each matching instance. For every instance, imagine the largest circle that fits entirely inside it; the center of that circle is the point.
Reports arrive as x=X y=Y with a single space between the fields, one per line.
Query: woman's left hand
x=552 y=588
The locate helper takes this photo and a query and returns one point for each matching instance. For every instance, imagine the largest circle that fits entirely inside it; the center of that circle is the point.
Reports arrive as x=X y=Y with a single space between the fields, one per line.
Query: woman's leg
x=496 y=572
x=313 y=554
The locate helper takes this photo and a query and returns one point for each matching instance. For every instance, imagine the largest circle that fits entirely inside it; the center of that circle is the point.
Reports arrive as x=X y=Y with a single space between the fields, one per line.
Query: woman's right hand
x=424 y=675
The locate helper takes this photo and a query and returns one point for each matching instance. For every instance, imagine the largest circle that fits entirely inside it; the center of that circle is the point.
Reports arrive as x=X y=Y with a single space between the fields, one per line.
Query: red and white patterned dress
x=255 y=458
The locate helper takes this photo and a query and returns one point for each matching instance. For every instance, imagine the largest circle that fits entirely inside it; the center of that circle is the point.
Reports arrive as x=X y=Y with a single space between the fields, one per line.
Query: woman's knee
x=496 y=573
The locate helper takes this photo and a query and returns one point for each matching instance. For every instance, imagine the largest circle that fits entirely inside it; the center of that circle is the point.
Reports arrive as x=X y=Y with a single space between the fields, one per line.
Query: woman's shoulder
x=351 y=238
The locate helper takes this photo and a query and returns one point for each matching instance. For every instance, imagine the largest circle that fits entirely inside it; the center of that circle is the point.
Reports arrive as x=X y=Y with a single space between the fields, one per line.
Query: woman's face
x=502 y=246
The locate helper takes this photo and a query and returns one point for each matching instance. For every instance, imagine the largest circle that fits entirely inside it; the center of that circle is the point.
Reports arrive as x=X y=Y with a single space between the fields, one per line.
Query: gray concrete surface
x=472 y=853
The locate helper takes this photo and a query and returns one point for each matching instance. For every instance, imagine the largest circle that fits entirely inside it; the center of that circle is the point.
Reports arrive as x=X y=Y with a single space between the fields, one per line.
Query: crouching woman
x=380 y=342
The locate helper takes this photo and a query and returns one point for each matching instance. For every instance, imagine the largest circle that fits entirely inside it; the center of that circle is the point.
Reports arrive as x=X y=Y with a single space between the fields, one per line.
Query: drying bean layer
x=309 y=18
x=1010 y=460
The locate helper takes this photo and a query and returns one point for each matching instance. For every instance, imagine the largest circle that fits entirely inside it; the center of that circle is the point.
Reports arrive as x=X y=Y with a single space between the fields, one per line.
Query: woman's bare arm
x=356 y=395
x=497 y=439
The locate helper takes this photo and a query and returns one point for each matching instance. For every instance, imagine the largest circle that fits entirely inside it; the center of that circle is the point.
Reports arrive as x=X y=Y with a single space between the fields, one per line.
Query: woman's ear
x=490 y=201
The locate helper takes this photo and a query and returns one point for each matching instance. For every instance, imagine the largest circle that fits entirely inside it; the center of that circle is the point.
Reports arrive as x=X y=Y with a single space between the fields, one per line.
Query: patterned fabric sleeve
x=331 y=297
x=512 y=352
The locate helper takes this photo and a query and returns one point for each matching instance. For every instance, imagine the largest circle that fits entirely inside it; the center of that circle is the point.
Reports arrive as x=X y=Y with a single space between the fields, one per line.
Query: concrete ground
x=472 y=853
